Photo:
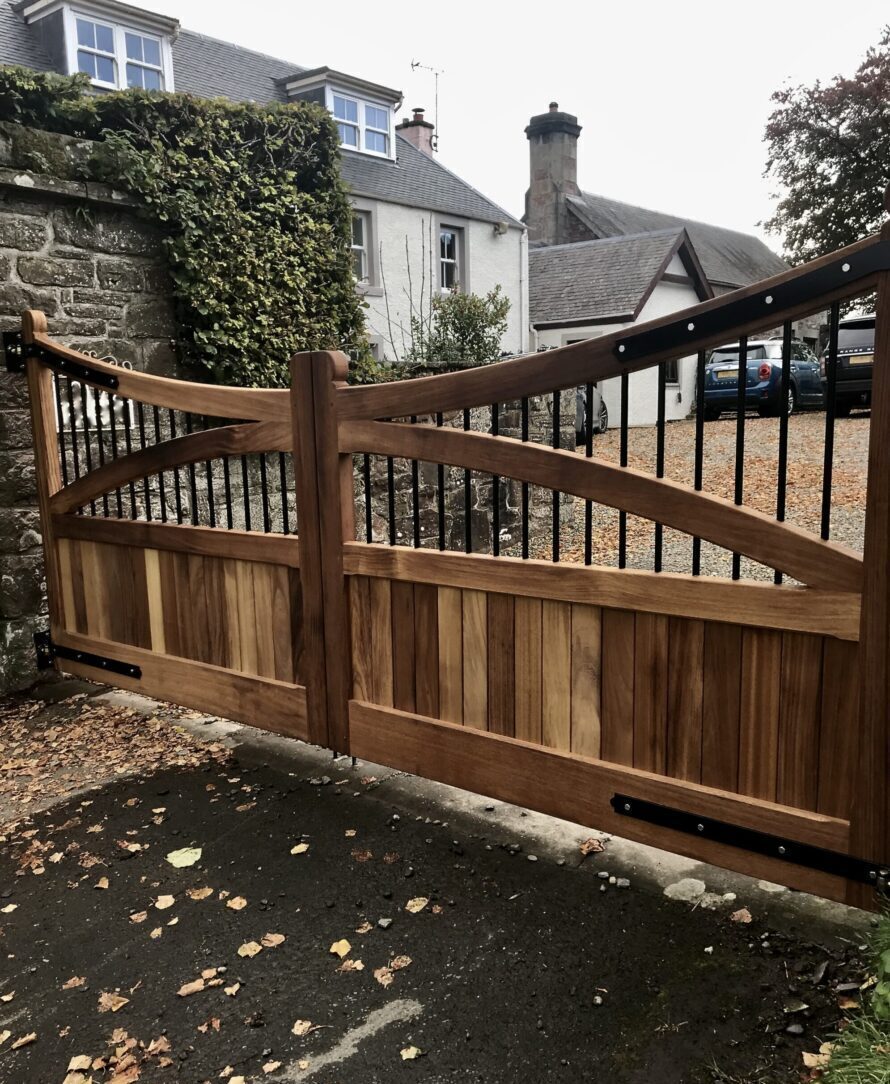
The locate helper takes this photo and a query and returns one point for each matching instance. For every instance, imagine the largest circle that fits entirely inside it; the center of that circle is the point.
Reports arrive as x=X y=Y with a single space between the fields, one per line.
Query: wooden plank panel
x=403 y=654
x=501 y=682
x=618 y=686
x=94 y=561
x=721 y=705
x=167 y=563
x=759 y=713
x=686 y=678
x=475 y=658
x=233 y=620
x=839 y=723
x=297 y=634
x=451 y=654
x=66 y=583
x=155 y=600
x=77 y=589
x=247 y=637
x=362 y=655
x=586 y=675
x=650 y=692
x=528 y=663
x=380 y=629
x=426 y=648
x=217 y=651
x=281 y=619
x=263 y=600
x=799 y=710
x=556 y=685
x=195 y=620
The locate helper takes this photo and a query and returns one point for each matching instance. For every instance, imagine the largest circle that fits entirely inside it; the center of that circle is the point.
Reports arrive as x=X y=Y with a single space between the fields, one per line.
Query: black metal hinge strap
x=773 y=300
x=16 y=353
x=48 y=651
x=749 y=839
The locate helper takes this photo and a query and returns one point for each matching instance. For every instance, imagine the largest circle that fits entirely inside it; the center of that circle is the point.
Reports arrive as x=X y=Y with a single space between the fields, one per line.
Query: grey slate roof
x=729 y=258
x=211 y=68
x=19 y=44
x=596 y=280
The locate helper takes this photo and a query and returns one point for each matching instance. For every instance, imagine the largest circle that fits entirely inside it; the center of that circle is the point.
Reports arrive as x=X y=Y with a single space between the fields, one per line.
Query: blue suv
x=763 y=390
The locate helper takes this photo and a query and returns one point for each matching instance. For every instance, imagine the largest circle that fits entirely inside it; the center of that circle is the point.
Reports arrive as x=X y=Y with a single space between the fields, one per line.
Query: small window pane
x=105 y=69
x=151 y=79
x=86 y=62
x=134 y=75
x=358 y=230
x=448 y=243
x=104 y=38
x=151 y=51
x=86 y=33
x=348 y=135
x=377 y=142
x=449 y=276
x=376 y=118
x=134 y=46
x=345 y=109
x=358 y=264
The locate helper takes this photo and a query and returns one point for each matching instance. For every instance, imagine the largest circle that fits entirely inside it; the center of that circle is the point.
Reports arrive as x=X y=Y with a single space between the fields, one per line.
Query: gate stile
x=709 y=716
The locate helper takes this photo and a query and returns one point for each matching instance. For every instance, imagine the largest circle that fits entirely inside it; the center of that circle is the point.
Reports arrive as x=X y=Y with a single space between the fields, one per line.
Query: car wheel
x=842 y=409
x=603 y=420
x=792 y=399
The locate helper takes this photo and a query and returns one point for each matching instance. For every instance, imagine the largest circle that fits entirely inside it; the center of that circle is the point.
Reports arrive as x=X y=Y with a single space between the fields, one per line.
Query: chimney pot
x=418 y=131
x=554 y=106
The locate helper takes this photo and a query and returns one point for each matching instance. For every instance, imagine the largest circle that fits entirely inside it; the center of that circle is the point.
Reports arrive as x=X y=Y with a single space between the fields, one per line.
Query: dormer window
x=113 y=56
x=363 y=126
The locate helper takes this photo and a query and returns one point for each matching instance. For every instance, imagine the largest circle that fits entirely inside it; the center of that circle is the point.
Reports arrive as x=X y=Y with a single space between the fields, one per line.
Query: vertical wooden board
x=233 y=621
x=759 y=713
x=281 y=618
x=501 y=683
x=587 y=622
x=94 y=562
x=167 y=563
x=839 y=730
x=262 y=599
x=686 y=677
x=217 y=612
x=77 y=588
x=66 y=580
x=800 y=701
x=380 y=629
x=298 y=641
x=246 y=618
x=475 y=658
x=528 y=664
x=721 y=705
x=426 y=648
x=155 y=600
x=196 y=620
x=650 y=692
x=618 y=687
x=451 y=654
x=403 y=653
x=556 y=685
x=360 y=623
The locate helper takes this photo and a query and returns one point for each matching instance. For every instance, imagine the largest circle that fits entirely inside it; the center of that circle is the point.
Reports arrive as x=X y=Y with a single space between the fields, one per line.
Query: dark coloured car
x=763 y=386
x=855 y=361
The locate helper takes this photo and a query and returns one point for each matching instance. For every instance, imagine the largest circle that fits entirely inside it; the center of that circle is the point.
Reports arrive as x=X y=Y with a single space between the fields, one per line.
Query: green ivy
x=255 y=216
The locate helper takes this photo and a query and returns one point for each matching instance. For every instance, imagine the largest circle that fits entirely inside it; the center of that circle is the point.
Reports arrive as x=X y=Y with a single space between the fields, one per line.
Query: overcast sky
x=672 y=97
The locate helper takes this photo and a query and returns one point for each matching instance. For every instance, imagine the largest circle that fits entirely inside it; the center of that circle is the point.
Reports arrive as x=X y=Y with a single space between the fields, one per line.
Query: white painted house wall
x=667 y=297
x=405 y=261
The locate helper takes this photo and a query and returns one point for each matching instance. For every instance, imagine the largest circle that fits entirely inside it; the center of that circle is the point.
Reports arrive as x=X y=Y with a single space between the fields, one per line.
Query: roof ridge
x=668 y=231
x=297 y=68
x=666 y=214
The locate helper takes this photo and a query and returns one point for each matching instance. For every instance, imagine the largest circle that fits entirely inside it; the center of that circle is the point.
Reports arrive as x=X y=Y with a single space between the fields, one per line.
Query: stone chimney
x=418 y=131
x=553 y=175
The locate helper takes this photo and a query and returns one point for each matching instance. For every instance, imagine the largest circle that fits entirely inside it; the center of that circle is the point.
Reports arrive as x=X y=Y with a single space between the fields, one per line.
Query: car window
x=755 y=353
x=798 y=352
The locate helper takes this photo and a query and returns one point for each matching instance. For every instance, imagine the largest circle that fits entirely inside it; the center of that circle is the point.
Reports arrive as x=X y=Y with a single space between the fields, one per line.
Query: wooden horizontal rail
x=743 y=530
x=579 y=789
x=585 y=362
x=270 y=549
x=214 y=400
x=263 y=702
x=190 y=448
x=709 y=598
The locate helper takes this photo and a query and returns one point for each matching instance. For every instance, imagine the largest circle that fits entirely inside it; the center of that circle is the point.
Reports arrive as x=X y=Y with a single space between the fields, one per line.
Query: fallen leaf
x=271 y=1066
x=25 y=1040
x=237 y=1080
x=73 y=982
x=847 y=1002
x=9 y=908
x=101 y=883
x=743 y=915
x=173 y=921
x=185 y=856
x=409 y=1053
x=400 y=962
x=209 y=973
x=244 y=808
x=391 y=857
x=7 y=997
x=300 y=848
x=112 y=1002
x=237 y=903
x=230 y=991
x=250 y=948
x=161 y=1045
x=351 y=965
x=199 y=893
x=156 y=933
x=80 y=1061
x=349 y=833
x=194 y=987
x=139 y=916
x=591 y=846
x=815 y=1061
x=341 y=948
x=302 y=1027
x=365 y=927
x=163 y=902
x=4 y=1035
x=362 y=856
x=417 y=904
x=384 y=976
x=272 y=940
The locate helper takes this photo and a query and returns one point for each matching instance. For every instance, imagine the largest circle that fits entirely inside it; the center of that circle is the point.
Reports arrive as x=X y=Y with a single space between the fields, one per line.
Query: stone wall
x=79 y=252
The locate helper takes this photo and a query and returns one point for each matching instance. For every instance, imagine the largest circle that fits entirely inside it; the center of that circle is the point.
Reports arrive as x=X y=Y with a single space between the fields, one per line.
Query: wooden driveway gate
x=200 y=547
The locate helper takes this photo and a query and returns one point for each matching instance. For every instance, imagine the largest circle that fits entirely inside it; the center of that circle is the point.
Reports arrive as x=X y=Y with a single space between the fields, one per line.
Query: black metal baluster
x=415 y=497
x=72 y=427
x=495 y=490
x=177 y=490
x=113 y=427
x=525 y=489
x=146 y=487
x=60 y=425
x=87 y=451
x=783 y=432
x=162 y=487
x=699 y=449
x=245 y=483
x=391 y=498
x=622 y=460
x=366 y=478
x=741 y=393
x=282 y=474
x=208 y=469
x=440 y=491
x=100 y=442
x=192 y=477
x=128 y=444
x=659 y=457
x=588 y=452
x=468 y=498
x=264 y=493
x=555 y=516
x=830 y=411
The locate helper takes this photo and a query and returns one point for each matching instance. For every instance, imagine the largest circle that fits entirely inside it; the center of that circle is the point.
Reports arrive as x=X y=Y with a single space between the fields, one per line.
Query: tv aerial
x=415 y=64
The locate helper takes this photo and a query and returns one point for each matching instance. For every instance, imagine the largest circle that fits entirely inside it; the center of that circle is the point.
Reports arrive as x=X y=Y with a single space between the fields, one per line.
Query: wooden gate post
x=870 y=812
x=325 y=520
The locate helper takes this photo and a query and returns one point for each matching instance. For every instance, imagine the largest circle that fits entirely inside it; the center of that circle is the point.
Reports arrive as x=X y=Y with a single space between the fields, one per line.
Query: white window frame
x=365 y=216
x=457 y=262
x=362 y=125
x=120 y=30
